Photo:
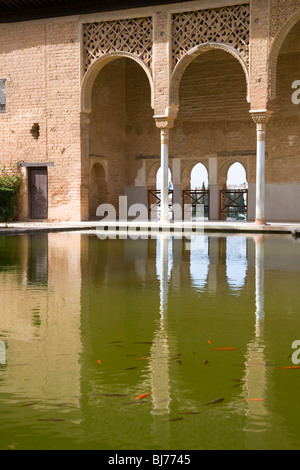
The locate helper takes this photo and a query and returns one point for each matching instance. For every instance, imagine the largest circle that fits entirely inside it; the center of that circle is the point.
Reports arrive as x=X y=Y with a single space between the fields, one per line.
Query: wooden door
x=38 y=193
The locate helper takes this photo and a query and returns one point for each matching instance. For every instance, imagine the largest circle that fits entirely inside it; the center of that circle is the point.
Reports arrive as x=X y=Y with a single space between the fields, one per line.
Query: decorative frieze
x=229 y=25
x=133 y=35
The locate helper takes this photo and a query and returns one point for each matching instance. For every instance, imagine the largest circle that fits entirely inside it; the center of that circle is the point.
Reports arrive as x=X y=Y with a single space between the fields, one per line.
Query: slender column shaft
x=260 y=173
x=164 y=138
x=261 y=118
x=164 y=123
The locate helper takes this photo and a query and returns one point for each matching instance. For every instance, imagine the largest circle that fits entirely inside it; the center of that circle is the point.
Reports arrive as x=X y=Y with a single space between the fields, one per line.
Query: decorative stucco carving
x=229 y=25
x=133 y=35
x=281 y=11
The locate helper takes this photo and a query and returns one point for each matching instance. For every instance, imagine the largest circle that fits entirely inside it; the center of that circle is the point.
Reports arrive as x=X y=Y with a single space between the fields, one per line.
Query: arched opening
x=234 y=199
x=213 y=121
x=198 y=194
x=282 y=166
x=199 y=177
x=98 y=188
x=122 y=131
x=236 y=177
x=283 y=37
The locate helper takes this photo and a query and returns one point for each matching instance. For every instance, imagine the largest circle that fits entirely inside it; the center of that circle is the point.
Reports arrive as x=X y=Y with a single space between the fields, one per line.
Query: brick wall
x=40 y=61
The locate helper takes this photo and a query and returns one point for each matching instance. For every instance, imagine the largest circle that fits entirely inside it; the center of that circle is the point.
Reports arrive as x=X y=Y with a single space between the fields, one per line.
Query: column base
x=260 y=222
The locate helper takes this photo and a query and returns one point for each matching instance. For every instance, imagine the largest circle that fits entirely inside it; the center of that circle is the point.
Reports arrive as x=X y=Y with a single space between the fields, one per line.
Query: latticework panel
x=229 y=25
x=132 y=35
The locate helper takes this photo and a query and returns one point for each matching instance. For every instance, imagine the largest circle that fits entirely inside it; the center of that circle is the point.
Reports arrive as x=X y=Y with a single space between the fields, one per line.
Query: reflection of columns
x=164 y=124
x=259 y=278
x=261 y=118
x=2 y=353
x=164 y=264
x=160 y=348
x=256 y=371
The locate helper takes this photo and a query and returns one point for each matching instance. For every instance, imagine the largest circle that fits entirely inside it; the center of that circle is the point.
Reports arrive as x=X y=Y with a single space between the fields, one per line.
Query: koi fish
x=99 y=362
x=144 y=395
x=224 y=349
x=209 y=342
x=291 y=367
x=142 y=358
x=254 y=399
x=214 y=402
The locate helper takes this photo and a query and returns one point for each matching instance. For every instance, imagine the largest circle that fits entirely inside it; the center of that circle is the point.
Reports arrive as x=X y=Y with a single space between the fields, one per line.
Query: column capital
x=261 y=116
x=164 y=122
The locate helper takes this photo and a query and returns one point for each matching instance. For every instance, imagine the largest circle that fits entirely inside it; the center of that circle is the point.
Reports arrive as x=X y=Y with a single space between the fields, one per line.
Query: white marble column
x=164 y=124
x=260 y=117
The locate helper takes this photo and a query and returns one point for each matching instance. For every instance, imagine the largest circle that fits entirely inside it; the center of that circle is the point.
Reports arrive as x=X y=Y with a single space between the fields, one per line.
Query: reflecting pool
x=157 y=343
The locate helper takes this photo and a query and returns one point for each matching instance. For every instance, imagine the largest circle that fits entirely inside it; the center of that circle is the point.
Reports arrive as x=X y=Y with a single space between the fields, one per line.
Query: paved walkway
x=209 y=226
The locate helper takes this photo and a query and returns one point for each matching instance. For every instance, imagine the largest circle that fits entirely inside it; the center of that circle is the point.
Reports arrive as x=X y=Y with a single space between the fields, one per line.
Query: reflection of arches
x=190 y=56
x=98 y=188
x=96 y=67
x=199 y=262
x=236 y=262
x=274 y=53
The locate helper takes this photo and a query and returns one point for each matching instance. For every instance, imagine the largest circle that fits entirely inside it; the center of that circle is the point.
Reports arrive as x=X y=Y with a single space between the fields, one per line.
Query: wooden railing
x=234 y=204
x=196 y=197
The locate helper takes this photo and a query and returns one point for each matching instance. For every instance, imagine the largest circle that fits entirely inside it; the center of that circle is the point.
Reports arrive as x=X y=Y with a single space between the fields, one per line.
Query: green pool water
x=88 y=325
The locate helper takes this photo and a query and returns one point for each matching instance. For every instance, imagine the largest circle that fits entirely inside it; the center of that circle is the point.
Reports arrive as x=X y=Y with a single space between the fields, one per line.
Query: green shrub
x=10 y=185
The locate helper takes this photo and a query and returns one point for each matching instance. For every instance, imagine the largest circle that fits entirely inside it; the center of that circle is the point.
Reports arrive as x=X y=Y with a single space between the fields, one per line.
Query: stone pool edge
x=292 y=228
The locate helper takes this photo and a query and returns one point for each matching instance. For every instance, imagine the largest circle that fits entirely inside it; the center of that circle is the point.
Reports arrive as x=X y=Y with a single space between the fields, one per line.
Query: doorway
x=38 y=193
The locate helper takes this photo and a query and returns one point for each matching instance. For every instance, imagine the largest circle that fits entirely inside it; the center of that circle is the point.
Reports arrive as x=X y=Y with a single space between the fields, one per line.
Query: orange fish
x=224 y=349
x=99 y=362
x=254 y=399
x=209 y=342
x=142 y=358
x=291 y=367
x=144 y=395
